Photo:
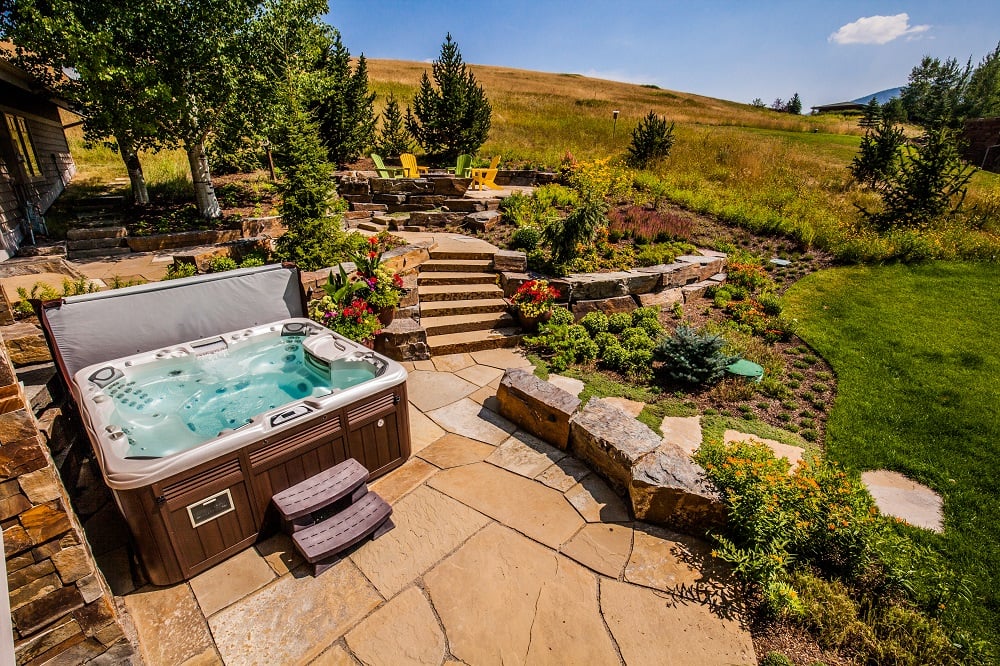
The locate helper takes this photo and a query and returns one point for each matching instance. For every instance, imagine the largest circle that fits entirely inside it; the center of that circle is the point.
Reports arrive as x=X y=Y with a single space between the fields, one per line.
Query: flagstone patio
x=506 y=550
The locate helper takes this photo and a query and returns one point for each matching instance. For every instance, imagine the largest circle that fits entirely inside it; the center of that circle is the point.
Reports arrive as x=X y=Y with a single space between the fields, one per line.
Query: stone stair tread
x=99 y=252
x=453 y=343
x=454 y=265
x=457 y=292
x=468 y=306
x=456 y=289
x=461 y=255
x=456 y=278
x=461 y=323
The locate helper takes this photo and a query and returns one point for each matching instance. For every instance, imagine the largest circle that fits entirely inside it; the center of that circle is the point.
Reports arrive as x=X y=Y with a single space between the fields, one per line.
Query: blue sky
x=738 y=50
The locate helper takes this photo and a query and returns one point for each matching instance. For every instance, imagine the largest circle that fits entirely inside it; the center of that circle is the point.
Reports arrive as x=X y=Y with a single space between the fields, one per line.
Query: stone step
x=468 y=307
x=455 y=265
x=464 y=254
x=460 y=343
x=99 y=252
x=84 y=233
x=463 y=323
x=97 y=222
x=457 y=292
x=370 y=226
x=442 y=277
x=95 y=243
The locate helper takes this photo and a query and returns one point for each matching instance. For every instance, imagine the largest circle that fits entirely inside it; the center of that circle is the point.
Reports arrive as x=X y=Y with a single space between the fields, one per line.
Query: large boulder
x=537 y=406
x=668 y=488
x=510 y=261
x=607 y=306
x=610 y=441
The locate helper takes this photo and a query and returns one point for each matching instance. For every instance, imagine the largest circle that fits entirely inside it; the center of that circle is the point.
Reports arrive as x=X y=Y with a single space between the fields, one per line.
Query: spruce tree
x=872 y=115
x=794 y=105
x=393 y=138
x=453 y=117
x=877 y=160
x=652 y=140
x=344 y=105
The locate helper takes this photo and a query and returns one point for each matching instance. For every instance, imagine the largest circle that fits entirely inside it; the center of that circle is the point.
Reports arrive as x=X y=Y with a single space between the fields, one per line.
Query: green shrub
x=776 y=659
x=770 y=304
x=595 y=322
x=561 y=315
x=652 y=140
x=690 y=357
x=605 y=340
x=222 y=264
x=565 y=343
x=252 y=261
x=525 y=238
x=567 y=236
x=636 y=338
x=180 y=270
x=554 y=195
x=661 y=253
x=517 y=209
x=619 y=321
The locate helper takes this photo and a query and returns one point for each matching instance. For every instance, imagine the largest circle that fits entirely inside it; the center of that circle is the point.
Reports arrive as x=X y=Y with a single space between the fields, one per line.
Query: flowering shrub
x=534 y=298
x=600 y=179
x=649 y=225
x=382 y=288
x=355 y=320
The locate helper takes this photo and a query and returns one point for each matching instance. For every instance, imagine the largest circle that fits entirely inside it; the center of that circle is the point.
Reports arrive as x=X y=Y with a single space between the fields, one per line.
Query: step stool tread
x=343 y=530
x=320 y=490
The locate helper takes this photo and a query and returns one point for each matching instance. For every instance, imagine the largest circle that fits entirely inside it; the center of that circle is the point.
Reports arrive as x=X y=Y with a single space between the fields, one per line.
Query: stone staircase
x=461 y=306
x=98 y=230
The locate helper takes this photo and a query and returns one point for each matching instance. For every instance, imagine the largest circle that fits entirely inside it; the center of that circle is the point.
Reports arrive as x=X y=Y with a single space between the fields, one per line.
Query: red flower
x=373 y=240
x=372 y=254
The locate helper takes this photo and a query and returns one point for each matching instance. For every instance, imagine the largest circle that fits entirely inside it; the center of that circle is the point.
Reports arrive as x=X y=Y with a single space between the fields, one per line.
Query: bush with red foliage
x=649 y=225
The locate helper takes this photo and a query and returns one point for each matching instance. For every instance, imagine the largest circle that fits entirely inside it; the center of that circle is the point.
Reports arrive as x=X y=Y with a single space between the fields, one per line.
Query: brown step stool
x=321 y=543
x=296 y=505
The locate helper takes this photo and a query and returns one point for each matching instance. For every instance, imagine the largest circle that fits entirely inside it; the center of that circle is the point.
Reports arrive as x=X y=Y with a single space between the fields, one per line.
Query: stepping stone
x=896 y=495
x=682 y=431
x=791 y=453
x=568 y=384
x=431 y=390
x=630 y=407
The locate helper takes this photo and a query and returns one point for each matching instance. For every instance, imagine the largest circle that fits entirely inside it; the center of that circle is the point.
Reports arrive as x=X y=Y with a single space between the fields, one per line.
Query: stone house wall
x=61 y=608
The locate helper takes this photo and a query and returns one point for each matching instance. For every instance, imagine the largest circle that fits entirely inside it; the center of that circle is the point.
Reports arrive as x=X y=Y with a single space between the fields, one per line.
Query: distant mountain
x=882 y=96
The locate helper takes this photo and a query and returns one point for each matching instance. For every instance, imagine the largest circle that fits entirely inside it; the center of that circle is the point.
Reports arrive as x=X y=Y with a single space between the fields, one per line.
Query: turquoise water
x=176 y=404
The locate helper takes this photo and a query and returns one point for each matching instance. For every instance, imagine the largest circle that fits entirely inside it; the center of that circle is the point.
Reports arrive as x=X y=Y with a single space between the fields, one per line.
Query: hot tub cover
x=93 y=328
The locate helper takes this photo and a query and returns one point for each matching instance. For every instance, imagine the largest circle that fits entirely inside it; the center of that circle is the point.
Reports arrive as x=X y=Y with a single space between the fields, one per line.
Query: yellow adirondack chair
x=410 y=168
x=484 y=178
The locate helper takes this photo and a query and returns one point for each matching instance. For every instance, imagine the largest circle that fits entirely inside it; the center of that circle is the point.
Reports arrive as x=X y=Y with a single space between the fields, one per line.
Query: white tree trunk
x=140 y=195
x=204 y=193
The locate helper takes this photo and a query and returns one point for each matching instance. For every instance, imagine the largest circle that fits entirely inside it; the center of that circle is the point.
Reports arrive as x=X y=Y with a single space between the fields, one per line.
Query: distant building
x=982 y=143
x=35 y=163
x=839 y=107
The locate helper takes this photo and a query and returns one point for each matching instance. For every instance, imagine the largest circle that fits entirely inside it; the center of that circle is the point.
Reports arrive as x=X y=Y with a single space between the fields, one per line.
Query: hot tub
x=194 y=438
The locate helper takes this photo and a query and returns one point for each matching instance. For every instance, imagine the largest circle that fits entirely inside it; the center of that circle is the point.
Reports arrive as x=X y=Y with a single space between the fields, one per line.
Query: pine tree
x=872 y=115
x=345 y=106
x=794 y=105
x=877 y=160
x=652 y=140
x=393 y=138
x=454 y=117
x=758 y=103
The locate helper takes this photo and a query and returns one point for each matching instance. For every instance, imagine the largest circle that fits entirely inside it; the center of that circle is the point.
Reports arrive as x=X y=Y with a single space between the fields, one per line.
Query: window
x=23 y=145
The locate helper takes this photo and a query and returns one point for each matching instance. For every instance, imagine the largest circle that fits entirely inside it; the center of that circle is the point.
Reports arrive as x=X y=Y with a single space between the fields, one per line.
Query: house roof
x=839 y=106
x=15 y=76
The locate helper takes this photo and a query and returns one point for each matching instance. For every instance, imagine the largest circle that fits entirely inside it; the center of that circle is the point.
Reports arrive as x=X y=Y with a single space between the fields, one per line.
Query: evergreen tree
x=652 y=140
x=984 y=86
x=931 y=182
x=306 y=189
x=935 y=94
x=345 y=106
x=758 y=103
x=893 y=110
x=794 y=105
x=877 y=160
x=454 y=117
x=393 y=138
x=872 y=115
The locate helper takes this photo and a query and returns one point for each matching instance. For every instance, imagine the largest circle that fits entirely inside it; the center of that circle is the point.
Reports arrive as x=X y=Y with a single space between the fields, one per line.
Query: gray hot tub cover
x=93 y=328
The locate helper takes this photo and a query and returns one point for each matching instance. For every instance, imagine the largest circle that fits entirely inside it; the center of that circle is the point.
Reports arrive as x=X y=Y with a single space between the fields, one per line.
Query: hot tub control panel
x=290 y=414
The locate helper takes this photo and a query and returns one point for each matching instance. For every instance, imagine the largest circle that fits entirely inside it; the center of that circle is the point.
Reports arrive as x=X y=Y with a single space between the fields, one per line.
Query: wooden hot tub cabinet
x=178 y=535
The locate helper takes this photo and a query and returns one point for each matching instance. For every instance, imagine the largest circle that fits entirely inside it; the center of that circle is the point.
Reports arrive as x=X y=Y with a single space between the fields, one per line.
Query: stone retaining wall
x=61 y=608
x=249 y=228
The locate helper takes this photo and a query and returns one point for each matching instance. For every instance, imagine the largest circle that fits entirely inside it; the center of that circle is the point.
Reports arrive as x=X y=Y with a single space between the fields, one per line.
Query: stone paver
x=403 y=479
x=431 y=390
x=428 y=526
x=666 y=560
x=683 y=431
x=452 y=362
x=896 y=495
x=171 y=625
x=296 y=618
x=424 y=365
x=506 y=600
x=603 y=548
x=486 y=396
x=596 y=502
x=530 y=508
x=501 y=358
x=564 y=474
x=423 y=431
x=792 y=453
x=480 y=375
x=453 y=450
x=402 y=632
x=568 y=384
x=234 y=579
x=525 y=454
x=630 y=407
x=654 y=628
x=469 y=418
x=279 y=552
x=335 y=656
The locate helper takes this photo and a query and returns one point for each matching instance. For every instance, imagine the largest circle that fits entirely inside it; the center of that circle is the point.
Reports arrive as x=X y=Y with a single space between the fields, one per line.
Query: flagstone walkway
x=506 y=551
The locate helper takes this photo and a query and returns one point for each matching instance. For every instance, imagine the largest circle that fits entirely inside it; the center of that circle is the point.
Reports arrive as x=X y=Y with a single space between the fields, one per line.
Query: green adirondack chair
x=383 y=170
x=463 y=165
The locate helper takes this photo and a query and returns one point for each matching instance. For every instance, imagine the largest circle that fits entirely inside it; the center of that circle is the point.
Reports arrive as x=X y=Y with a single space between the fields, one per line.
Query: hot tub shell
x=190 y=510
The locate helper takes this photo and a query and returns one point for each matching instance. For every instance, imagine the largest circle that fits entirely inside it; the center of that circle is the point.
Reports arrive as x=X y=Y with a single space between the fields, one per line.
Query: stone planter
x=531 y=324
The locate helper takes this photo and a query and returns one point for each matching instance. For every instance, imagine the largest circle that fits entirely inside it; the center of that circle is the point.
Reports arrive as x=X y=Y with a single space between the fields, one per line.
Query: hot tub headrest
x=93 y=328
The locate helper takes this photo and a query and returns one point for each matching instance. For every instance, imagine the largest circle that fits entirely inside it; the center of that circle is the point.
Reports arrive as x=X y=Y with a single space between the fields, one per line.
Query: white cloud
x=877 y=30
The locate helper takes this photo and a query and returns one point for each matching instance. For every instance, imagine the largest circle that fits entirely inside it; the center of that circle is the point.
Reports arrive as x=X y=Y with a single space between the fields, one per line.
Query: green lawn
x=916 y=352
